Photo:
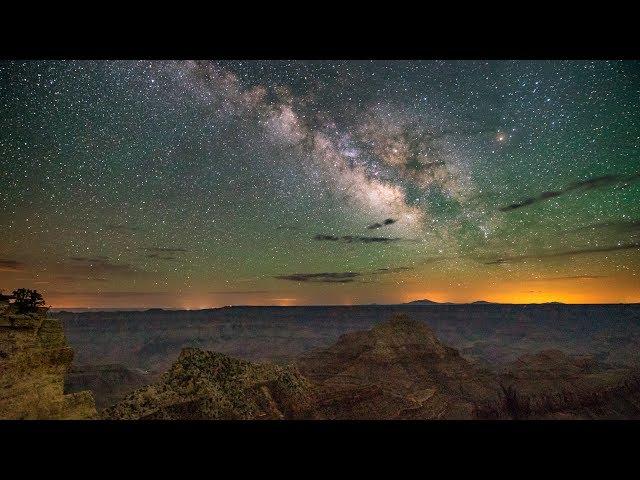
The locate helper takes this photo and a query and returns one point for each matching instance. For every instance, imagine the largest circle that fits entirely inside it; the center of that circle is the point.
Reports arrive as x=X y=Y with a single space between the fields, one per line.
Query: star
x=155 y=183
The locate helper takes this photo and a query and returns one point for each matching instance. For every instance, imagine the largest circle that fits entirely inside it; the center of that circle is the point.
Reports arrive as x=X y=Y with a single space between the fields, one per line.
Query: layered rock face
x=397 y=370
x=553 y=370
x=203 y=385
x=34 y=358
x=554 y=385
x=108 y=383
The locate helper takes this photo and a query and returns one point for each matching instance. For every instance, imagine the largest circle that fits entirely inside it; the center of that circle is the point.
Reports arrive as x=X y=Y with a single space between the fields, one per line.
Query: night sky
x=132 y=184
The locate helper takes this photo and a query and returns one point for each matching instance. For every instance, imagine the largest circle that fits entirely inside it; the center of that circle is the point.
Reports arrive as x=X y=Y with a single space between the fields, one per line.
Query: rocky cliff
x=204 y=385
x=34 y=358
x=108 y=383
x=397 y=370
x=553 y=385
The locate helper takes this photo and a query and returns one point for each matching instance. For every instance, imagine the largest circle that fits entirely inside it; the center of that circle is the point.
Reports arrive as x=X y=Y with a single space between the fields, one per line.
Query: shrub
x=27 y=300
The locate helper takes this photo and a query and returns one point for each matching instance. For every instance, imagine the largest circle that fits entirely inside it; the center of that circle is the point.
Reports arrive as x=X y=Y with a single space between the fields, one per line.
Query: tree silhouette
x=27 y=300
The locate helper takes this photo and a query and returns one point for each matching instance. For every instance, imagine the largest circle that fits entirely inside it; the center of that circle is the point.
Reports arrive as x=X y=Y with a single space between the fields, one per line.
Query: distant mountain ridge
x=424 y=302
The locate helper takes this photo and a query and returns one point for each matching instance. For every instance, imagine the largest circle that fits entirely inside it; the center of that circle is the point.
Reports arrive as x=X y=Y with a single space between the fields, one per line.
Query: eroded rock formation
x=203 y=385
x=34 y=358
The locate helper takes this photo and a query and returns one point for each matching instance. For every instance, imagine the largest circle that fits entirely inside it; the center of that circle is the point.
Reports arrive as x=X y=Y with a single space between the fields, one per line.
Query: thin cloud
x=326 y=238
x=356 y=239
x=325 y=277
x=7 y=265
x=239 y=292
x=111 y=294
x=567 y=253
x=120 y=228
x=97 y=259
x=388 y=221
x=583 y=185
x=157 y=256
x=73 y=278
x=359 y=239
x=90 y=266
x=342 y=277
x=569 y=277
x=622 y=226
x=392 y=269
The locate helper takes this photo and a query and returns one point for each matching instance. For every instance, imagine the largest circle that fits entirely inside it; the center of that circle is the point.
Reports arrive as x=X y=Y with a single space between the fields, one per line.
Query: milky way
x=204 y=183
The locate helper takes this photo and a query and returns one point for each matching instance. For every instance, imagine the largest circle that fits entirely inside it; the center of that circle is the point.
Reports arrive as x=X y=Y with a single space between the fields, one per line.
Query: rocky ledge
x=203 y=385
x=34 y=358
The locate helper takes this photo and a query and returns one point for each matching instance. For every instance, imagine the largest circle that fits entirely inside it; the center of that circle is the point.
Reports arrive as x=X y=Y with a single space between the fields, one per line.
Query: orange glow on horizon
x=570 y=290
x=577 y=290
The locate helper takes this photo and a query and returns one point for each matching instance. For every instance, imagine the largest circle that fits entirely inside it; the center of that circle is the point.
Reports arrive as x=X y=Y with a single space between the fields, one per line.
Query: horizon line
x=475 y=302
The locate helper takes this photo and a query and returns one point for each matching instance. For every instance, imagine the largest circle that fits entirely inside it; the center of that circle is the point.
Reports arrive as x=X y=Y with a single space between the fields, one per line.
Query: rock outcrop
x=397 y=370
x=204 y=385
x=553 y=385
x=34 y=358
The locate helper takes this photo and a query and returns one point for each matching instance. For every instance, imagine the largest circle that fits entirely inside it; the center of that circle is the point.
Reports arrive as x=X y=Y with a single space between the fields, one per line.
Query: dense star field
x=132 y=184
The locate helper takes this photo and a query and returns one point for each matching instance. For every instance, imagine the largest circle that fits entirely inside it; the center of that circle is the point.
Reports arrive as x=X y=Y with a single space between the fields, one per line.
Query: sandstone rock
x=398 y=369
x=34 y=358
